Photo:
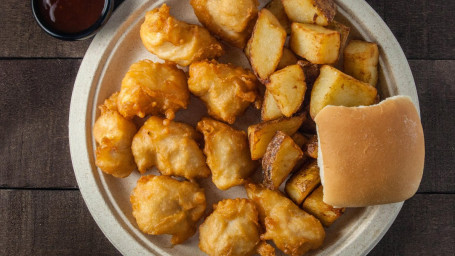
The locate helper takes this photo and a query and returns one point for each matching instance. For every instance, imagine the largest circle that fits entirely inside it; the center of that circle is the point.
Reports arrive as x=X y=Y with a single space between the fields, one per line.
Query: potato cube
x=311 y=149
x=259 y=135
x=288 y=58
x=270 y=109
x=303 y=182
x=299 y=139
x=361 y=61
x=288 y=88
x=277 y=9
x=319 y=12
x=280 y=158
x=317 y=44
x=333 y=87
x=314 y=205
x=265 y=47
x=344 y=33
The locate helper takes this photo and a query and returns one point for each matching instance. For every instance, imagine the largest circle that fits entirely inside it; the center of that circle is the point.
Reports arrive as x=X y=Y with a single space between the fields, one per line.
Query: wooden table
x=42 y=211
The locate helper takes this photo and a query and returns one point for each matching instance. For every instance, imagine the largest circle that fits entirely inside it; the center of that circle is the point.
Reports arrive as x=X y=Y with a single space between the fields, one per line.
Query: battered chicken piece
x=171 y=147
x=227 y=90
x=113 y=134
x=163 y=205
x=292 y=230
x=232 y=229
x=177 y=41
x=228 y=155
x=153 y=88
x=231 y=20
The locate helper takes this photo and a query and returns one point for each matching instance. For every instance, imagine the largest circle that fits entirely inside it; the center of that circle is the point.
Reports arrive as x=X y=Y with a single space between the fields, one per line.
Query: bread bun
x=370 y=155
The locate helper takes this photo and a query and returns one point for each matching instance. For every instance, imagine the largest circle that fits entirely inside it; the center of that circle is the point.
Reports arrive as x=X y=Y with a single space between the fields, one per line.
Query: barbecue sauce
x=70 y=16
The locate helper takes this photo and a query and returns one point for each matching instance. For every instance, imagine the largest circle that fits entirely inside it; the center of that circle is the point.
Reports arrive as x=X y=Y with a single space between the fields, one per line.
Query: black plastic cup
x=85 y=34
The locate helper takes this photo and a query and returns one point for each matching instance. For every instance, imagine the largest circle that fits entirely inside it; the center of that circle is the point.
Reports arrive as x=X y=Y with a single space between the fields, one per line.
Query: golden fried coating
x=231 y=20
x=163 y=205
x=232 y=229
x=153 y=88
x=113 y=134
x=177 y=41
x=227 y=90
x=228 y=155
x=292 y=230
x=170 y=147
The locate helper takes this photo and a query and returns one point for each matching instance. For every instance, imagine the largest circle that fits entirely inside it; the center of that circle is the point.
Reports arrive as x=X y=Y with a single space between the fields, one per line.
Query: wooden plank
x=34 y=101
x=42 y=222
x=423 y=28
x=37 y=222
x=425 y=226
x=436 y=88
x=34 y=151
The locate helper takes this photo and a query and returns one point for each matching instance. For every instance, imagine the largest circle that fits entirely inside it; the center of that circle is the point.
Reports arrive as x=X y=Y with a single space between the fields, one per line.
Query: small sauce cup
x=72 y=19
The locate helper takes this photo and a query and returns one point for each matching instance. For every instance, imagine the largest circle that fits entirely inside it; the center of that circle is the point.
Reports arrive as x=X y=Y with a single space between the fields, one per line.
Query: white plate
x=118 y=45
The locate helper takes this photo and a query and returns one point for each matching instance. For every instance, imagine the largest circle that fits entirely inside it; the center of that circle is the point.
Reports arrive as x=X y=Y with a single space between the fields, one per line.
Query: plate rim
x=79 y=128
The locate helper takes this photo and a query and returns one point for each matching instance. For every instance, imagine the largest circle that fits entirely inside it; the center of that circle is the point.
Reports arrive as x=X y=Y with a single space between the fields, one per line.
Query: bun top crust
x=370 y=155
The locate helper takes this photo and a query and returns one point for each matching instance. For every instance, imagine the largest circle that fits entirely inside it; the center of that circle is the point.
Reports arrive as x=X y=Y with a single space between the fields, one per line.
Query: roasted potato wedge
x=270 y=109
x=315 y=43
x=232 y=21
x=288 y=58
x=259 y=135
x=303 y=182
x=276 y=7
x=334 y=87
x=312 y=147
x=344 y=33
x=288 y=88
x=361 y=61
x=314 y=205
x=280 y=158
x=299 y=139
x=319 y=12
x=265 y=47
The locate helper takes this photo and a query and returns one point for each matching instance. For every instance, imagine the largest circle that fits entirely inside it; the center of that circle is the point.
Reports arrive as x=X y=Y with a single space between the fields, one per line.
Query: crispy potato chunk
x=265 y=47
x=163 y=205
x=344 y=34
x=177 y=41
x=227 y=152
x=303 y=182
x=259 y=135
x=227 y=90
x=280 y=158
x=312 y=147
x=292 y=230
x=288 y=58
x=270 y=109
x=320 y=12
x=170 y=147
x=288 y=88
x=113 y=134
x=299 y=139
x=153 y=88
x=277 y=9
x=333 y=87
x=232 y=229
x=314 y=205
x=231 y=20
x=361 y=61
x=317 y=44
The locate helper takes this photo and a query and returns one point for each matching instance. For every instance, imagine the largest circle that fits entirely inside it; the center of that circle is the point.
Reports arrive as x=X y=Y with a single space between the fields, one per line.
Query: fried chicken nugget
x=163 y=205
x=292 y=230
x=113 y=134
x=170 y=147
x=232 y=229
x=177 y=41
x=228 y=155
x=227 y=90
x=231 y=20
x=153 y=88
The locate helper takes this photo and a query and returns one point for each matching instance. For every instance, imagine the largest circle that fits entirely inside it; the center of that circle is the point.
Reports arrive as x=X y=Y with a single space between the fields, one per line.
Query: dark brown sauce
x=70 y=16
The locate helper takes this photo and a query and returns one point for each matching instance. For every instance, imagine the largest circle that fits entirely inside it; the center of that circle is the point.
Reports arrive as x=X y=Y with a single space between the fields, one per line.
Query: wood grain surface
x=41 y=208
